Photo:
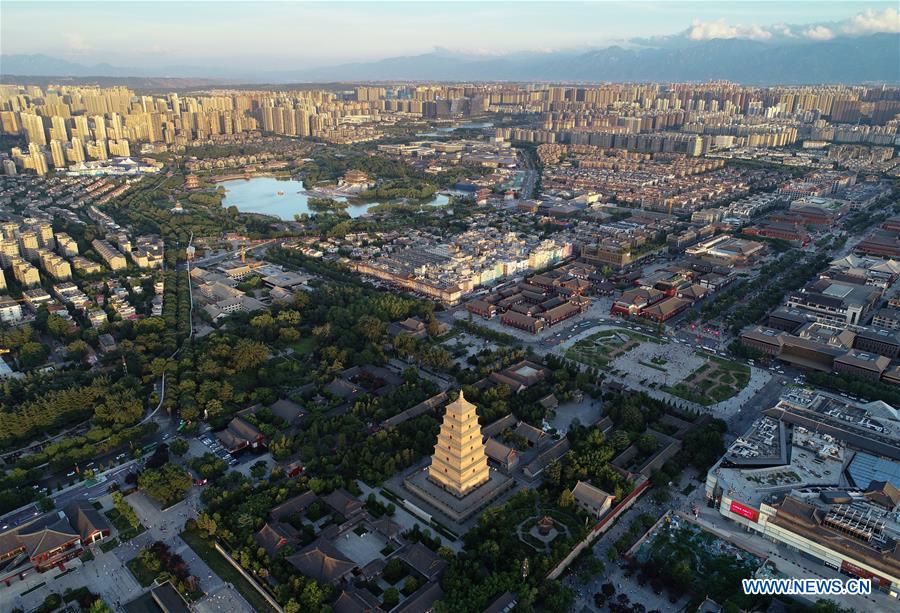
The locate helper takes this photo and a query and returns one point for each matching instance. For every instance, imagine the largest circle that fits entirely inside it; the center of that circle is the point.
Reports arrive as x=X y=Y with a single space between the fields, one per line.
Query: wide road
x=98 y=488
x=218 y=259
x=531 y=175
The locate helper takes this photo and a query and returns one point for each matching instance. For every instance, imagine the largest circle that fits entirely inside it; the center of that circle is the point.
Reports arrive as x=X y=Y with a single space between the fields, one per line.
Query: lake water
x=260 y=195
x=468 y=126
x=448 y=131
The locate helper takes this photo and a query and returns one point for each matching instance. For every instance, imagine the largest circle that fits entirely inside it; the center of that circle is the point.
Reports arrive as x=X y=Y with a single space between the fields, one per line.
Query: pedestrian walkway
x=758 y=380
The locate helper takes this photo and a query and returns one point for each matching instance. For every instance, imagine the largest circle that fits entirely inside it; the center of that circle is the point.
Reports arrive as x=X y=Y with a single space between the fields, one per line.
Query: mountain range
x=873 y=58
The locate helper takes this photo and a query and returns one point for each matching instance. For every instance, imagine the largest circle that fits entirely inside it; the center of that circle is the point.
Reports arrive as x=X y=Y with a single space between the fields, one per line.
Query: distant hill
x=841 y=60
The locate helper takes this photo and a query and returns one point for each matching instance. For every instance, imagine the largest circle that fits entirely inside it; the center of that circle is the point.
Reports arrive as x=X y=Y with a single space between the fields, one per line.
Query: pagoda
x=459 y=464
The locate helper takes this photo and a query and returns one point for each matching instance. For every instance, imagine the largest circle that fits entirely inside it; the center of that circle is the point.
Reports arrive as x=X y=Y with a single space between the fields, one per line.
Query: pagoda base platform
x=455 y=508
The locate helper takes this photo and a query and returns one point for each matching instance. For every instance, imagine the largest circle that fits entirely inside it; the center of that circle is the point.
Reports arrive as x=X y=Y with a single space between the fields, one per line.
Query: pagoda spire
x=459 y=463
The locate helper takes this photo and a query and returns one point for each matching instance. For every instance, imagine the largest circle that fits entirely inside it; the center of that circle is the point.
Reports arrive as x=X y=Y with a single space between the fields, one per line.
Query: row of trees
x=856 y=386
x=751 y=300
x=110 y=404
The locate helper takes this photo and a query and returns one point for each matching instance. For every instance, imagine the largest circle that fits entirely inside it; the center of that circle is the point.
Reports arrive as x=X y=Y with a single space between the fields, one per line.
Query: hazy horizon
x=283 y=35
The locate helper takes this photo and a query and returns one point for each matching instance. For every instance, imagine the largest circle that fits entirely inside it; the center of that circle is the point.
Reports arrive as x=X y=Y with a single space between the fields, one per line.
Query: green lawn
x=126 y=532
x=597 y=349
x=223 y=568
x=109 y=545
x=304 y=346
x=589 y=357
x=636 y=336
x=716 y=380
x=726 y=365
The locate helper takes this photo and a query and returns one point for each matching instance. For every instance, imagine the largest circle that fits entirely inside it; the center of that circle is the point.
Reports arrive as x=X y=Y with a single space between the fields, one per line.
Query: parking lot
x=215 y=447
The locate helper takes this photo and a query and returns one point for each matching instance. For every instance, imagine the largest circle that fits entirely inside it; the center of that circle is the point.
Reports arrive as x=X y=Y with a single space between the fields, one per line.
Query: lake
x=473 y=125
x=448 y=130
x=260 y=195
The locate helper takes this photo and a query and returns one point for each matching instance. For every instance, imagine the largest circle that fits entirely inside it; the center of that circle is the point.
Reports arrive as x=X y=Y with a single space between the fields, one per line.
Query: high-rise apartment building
x=99 y=128
x=96 y=150
x=34 y=128
x=66 y=245
x=29 y=244
x=58 y=130
x=109 y=254
x=9 y=122
x=9 y=249
x=119 y=148
x=75 y=153
x=80 y=128
x=54 y=265
x=25 y=273
x=44 y=230
x=37 y=159
x=57 y=154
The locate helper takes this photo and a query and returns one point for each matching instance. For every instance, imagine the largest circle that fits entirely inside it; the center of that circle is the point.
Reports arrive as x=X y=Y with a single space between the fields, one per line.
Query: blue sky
x=286 y=34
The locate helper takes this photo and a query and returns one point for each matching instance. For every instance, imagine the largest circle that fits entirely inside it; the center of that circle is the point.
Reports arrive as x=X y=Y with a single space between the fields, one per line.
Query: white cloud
x=707 y=30
x=870 y=22
x=782 y=29
x=818 y=33
x=77 y=42
x=866 y=22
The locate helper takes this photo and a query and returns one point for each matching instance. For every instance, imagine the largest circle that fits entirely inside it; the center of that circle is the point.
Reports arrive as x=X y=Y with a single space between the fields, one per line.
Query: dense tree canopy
x=167 y=484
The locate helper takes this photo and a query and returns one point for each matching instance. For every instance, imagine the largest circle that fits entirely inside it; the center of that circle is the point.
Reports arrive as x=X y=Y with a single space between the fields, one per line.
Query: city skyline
x=316 y=35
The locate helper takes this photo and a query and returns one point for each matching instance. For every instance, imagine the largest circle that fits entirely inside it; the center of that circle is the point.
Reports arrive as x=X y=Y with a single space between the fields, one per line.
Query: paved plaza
x=361 y=548
x=454 y=510
x=674 y=362
x=224 y=600
x=397 y=486
x=662 y=364
x=586 y=412
x=759 y=378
